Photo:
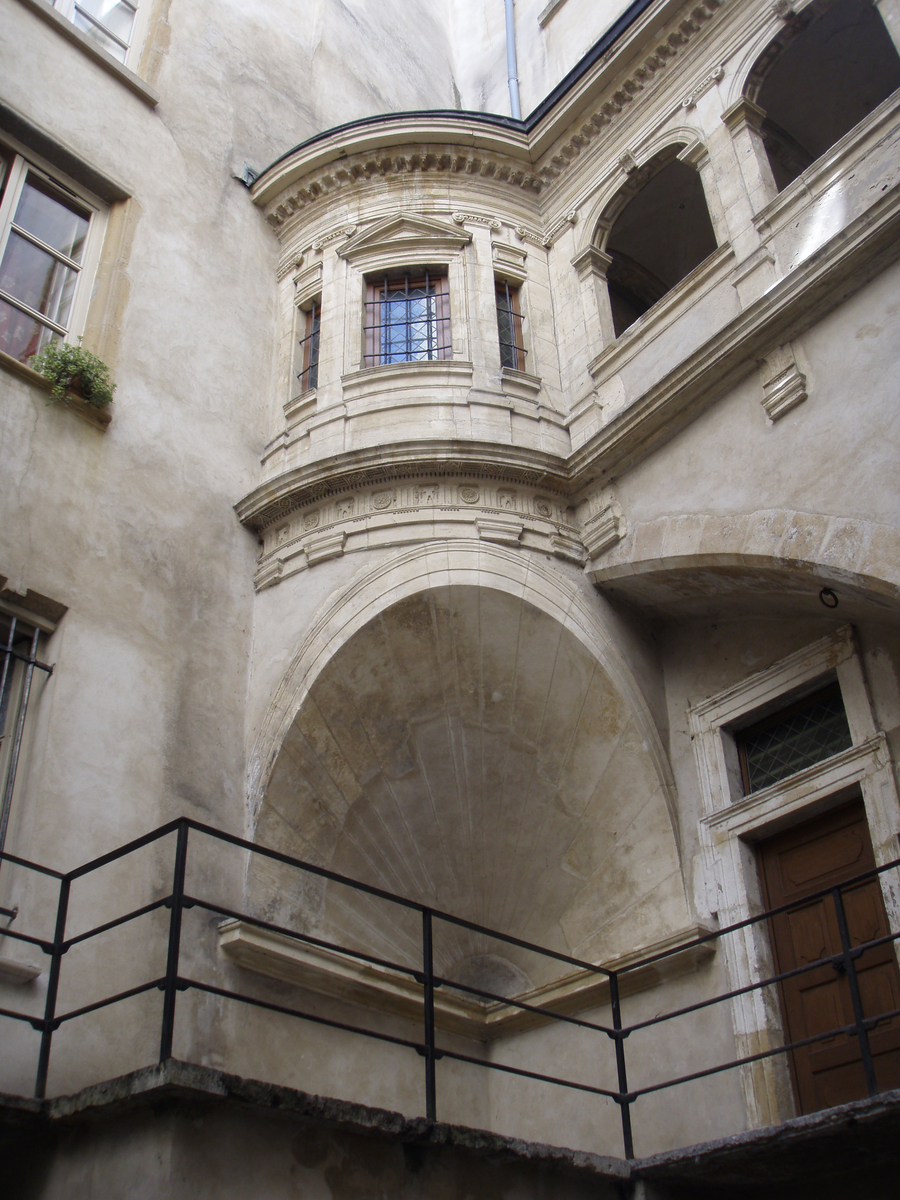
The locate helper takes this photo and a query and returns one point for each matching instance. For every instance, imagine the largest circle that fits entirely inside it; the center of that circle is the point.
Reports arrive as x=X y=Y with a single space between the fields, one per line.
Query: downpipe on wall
x=512 y=69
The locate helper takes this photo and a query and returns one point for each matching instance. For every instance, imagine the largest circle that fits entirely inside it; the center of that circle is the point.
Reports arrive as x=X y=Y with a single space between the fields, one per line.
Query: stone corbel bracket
x=784 y=384
x=603 y=530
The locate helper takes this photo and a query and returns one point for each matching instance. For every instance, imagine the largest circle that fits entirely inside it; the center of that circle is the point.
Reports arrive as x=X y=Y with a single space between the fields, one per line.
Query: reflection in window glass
x=107 y=22
x=57 y=224
x=39 y=265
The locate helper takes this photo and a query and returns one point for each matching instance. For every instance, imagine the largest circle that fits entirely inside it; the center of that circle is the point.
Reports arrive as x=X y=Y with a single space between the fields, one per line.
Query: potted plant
x=74 y=369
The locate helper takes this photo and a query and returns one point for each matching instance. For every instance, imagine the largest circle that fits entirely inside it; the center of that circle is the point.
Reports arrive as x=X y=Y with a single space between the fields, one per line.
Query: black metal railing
x=171 y=982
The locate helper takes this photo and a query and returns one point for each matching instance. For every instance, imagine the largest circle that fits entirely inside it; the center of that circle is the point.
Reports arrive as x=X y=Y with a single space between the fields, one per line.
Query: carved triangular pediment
x=405 y=238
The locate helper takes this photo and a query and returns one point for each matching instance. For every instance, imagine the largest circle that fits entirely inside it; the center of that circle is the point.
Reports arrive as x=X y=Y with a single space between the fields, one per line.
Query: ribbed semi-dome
x=465 y=750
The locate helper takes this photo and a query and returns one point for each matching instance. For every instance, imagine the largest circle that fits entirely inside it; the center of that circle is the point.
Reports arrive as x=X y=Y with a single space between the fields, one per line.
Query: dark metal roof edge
x=584 y=64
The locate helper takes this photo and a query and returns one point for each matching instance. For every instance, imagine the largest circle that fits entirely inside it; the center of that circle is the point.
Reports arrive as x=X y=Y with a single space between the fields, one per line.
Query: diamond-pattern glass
x=808 y=735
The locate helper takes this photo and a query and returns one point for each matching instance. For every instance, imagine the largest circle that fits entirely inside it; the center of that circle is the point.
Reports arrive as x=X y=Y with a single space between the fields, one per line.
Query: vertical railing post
x=856 y=999
x=50 y=1023
x=428 y=980
x=175 y=905
x=623 y=1101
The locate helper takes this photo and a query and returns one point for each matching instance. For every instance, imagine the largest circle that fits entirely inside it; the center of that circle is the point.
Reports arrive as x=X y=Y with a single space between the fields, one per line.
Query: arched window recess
x=655 y=232
x=831 y=65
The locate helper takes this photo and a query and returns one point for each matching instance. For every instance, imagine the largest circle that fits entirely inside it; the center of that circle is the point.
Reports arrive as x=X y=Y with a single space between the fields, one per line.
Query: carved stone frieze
x=528 y=235
x=528 y=515
x=263 y=514
x=571 y=218
x=345 y=231
x=359 y=168
x=703 y=87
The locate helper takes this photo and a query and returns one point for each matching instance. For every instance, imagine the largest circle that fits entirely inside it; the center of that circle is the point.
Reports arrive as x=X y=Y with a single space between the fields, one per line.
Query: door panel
x=822 y=853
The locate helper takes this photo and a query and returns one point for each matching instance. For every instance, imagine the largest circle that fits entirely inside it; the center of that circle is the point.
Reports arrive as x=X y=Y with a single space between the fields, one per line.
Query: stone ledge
x=860 y=1139
x=341 y=976
x=182 y=1083
x=65 y=28
x=849 y=1138
x=98 y=417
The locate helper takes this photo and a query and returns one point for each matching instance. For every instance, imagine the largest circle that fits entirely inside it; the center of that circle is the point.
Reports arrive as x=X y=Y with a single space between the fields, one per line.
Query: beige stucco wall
x=231 y=672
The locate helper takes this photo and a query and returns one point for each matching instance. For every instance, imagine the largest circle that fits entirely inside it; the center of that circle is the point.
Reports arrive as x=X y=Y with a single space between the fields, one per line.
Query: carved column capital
x=591 y=261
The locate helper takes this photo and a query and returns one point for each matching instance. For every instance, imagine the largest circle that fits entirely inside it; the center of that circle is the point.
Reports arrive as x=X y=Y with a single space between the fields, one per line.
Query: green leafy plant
x=74 y=369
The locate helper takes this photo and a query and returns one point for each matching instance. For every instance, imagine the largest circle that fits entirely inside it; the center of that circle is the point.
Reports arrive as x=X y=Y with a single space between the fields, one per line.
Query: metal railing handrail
x=171 y=982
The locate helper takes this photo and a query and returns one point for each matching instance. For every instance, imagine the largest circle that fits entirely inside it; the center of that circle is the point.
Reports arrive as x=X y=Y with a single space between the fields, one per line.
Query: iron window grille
x=509 y=327
x=407 y=320
x=795 y=737
x=309 y=349
x=18 y=660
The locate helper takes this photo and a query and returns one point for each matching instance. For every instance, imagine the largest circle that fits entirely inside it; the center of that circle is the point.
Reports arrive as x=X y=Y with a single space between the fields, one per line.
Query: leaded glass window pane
x=806 y=733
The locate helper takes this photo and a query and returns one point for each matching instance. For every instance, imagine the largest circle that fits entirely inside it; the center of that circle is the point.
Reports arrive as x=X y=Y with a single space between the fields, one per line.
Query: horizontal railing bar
x=848 y=1030
x=299 y=937
x=5 y=856
x=289 y=860
x=296 y=1012
x=523 y=945
x=764 y=916
x=368 y=889
x=7 y=651
x=45 y=945
x=829 y=960
x=37 y=1022
x=129 y=848
x=98 y=1004
x=132 y=916
x=496 y=1066
x=543 y=1012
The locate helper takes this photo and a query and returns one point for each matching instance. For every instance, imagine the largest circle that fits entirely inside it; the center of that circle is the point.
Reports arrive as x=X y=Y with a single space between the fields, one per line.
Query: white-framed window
x=50 y=233
x=112 y=24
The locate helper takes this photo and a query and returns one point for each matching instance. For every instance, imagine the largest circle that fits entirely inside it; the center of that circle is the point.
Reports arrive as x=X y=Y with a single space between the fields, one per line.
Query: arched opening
x=466 y=750
x=823 y=75
x=661 y=234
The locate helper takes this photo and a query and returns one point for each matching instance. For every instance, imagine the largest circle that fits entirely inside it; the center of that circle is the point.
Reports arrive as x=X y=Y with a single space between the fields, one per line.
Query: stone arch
x=826 y=68
x=655 y=229
x=519 y=780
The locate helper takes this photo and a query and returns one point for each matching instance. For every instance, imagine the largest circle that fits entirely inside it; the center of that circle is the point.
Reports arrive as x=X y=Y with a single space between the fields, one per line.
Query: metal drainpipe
x=512 y=69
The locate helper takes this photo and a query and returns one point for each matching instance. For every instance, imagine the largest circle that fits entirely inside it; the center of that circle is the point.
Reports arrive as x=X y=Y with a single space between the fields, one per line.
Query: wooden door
x=821 y=853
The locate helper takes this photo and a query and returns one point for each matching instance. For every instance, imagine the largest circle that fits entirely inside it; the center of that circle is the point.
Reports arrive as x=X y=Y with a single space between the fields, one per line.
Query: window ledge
x=17 y=973
x=98 y=417
x=705 y=276
x=436 y=371
x=835 y=163
x=300 y=406
x=65 y=28
x=519 y=383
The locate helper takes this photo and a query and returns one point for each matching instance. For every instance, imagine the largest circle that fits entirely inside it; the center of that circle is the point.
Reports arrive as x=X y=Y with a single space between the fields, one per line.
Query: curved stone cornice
x=273 y=501
x=415 y=147
x=522 y=155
